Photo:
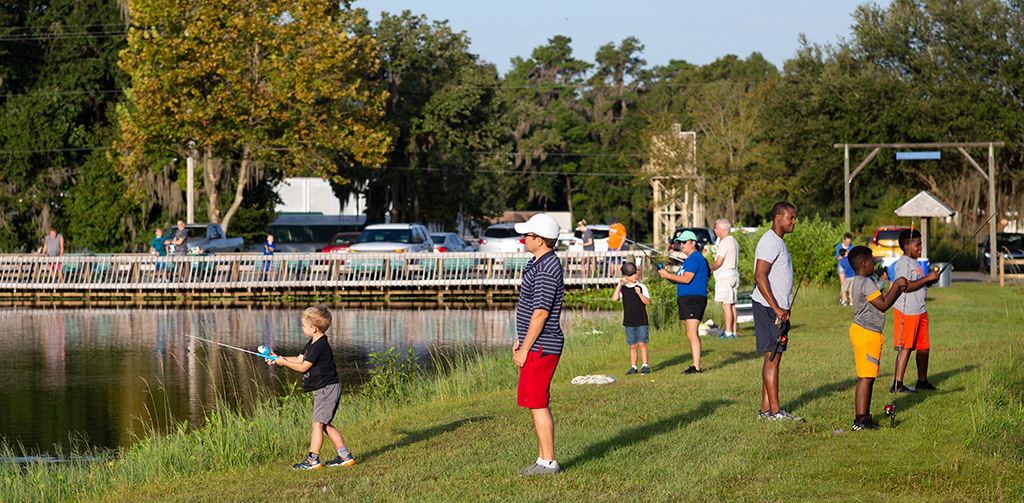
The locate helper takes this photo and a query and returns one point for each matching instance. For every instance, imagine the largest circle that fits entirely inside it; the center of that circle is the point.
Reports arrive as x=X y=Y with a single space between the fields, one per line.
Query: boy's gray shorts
x=325 y=403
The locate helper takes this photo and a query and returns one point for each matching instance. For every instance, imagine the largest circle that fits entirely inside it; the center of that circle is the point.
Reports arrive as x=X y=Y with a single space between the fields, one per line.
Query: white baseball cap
x=540 y=224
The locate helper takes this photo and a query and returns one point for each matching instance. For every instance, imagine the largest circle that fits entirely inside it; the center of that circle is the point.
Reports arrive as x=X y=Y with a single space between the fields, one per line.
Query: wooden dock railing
x=283 y=270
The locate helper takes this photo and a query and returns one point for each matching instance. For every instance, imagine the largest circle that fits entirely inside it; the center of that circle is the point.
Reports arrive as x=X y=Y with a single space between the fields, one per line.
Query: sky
x=698 y=32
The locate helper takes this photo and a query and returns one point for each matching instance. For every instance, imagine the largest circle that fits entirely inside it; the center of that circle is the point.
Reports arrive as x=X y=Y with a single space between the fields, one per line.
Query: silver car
x=449 y=242
x=398 y=238
x=502 y=238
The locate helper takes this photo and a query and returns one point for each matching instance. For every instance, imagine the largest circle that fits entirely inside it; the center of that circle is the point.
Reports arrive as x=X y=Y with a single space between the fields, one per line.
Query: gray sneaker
x=536 y=469
x=763 y=414
x=782 y=415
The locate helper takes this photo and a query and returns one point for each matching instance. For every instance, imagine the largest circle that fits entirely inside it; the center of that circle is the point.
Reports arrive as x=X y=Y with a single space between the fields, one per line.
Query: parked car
x=600 y=238
x=502 y=238
x=885 y=242
x=341 y=241
x=449 y=242
x=1009 y=244
x=397 y=238
x=704 y=236
x=206 y=238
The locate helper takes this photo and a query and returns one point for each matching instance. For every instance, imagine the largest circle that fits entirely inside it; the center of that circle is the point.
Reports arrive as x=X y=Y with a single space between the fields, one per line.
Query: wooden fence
x=232 y=271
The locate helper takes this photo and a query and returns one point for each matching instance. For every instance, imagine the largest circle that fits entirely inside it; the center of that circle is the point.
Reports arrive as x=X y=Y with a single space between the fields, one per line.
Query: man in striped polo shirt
x=538 y=344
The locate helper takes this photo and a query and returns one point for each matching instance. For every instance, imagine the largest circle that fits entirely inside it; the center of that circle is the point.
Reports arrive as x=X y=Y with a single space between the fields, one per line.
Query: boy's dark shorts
x=325 y=403
x=765 y=331
x=691 y=307
x=635 y=335
x=535 y=380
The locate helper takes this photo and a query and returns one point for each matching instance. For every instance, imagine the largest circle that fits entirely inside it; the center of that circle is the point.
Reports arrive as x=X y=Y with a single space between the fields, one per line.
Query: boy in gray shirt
x=910 y=320
x=869 y=307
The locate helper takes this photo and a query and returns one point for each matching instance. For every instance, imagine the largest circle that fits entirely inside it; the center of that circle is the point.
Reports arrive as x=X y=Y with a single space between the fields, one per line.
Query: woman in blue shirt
x=841 y=250
x=691 y=292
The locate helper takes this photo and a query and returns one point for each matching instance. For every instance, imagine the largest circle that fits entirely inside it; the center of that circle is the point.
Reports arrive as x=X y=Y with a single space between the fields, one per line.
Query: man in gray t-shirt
x=773 y=275
x=180 y=240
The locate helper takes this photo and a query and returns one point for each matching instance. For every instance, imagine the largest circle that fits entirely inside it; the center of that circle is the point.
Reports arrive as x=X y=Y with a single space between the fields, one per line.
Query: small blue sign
x=918 y=156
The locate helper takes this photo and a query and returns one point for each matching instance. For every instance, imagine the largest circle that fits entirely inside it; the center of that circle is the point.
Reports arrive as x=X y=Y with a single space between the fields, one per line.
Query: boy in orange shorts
x=910 y=323
x=869 y=307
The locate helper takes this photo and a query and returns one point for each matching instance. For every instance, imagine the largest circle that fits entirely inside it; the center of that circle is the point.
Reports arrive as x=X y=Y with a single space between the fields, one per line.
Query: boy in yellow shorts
x=869 y=307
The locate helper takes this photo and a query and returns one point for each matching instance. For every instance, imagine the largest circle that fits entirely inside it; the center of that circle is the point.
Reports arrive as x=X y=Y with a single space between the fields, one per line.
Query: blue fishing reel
x=265 y=353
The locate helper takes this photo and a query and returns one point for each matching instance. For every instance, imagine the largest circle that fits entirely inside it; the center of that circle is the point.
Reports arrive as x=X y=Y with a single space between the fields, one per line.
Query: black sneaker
x=692 y=370
x=866 y=424
x=631 y=371
x=903 y=388
x=925 y=385
x=645 y=370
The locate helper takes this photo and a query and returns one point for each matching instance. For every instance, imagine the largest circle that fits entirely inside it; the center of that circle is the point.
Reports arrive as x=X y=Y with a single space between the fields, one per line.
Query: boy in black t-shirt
x=635 y=297
x=321 y=377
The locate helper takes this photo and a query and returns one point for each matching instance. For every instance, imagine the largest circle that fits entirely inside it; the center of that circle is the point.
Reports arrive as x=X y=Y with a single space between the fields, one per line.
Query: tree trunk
x=243 y=178
x=212 y=169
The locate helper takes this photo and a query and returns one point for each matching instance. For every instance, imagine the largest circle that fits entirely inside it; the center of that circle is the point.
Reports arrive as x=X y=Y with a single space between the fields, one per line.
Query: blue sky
x=696 y=31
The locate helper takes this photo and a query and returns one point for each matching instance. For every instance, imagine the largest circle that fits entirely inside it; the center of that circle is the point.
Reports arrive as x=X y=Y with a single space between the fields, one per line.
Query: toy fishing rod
x=264 y=352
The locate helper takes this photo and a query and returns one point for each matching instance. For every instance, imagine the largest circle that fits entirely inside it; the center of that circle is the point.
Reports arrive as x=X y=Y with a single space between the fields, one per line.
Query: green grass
x=663 y=437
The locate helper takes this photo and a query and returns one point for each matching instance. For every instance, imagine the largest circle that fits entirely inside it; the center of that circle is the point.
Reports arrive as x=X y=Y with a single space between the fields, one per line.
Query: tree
x=59 y=77
x=443 y=110
x=249 y=86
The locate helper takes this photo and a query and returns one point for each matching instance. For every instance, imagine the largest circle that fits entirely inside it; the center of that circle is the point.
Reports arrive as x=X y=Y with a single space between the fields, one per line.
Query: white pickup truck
x=206 y=238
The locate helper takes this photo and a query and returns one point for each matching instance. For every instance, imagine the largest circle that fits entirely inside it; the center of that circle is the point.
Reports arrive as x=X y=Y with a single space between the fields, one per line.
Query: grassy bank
x=663 y=437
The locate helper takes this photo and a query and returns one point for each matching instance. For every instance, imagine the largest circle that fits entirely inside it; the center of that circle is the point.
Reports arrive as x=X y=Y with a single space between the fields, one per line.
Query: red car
x=341 y=241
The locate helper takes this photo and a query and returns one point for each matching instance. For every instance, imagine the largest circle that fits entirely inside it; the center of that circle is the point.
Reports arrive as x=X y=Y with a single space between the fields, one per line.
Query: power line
x=63 y=93
x=54 y=150
x=509 y=172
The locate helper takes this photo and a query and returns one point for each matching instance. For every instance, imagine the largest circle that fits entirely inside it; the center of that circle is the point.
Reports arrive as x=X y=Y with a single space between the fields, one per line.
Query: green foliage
x=391 y=373
x=58 y=76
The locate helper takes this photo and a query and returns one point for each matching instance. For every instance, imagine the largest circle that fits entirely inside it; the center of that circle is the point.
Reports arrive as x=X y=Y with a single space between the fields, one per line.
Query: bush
x=811 y=247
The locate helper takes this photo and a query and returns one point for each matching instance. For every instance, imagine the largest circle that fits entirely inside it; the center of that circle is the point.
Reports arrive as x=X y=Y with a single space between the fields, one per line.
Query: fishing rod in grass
x=264 y=352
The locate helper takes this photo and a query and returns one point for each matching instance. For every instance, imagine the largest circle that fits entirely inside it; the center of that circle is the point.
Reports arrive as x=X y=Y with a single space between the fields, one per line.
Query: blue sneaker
x=310 y=463
x=631 y=371
x=340 y=461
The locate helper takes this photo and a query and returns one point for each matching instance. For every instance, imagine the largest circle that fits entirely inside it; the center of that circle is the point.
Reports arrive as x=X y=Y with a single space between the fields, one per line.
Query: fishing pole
x=992 y=246
x=644 y=248
x=890 y=409
x=264 y=352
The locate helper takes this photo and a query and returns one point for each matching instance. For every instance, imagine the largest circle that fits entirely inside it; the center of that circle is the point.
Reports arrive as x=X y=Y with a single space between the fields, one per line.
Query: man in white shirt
x=727 y=275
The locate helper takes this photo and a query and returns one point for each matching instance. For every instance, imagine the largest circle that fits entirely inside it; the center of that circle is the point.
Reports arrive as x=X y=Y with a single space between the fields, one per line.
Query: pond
x=104 y=378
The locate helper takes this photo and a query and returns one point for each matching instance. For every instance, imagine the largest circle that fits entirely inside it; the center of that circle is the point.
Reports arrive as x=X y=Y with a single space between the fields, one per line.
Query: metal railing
x=329 y=270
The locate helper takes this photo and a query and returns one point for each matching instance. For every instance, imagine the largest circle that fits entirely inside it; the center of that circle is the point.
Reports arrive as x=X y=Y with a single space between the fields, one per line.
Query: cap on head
x=540 y=224
x=686 y=236
x=628 y=268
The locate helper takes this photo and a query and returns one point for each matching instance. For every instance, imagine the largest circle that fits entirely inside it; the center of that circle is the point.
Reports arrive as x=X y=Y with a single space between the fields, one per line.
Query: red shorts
x=914 y=328
x=535 y=380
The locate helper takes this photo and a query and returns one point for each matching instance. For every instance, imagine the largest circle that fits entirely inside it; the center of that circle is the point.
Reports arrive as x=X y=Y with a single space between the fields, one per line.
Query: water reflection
x=104 y=377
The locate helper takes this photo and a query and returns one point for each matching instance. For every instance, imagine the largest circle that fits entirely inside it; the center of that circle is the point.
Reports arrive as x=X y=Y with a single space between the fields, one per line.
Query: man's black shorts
x=691 y=307
x=765 y=331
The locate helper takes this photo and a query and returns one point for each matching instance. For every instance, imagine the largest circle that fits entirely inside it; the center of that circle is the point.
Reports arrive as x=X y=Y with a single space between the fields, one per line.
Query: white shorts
x=727 y=289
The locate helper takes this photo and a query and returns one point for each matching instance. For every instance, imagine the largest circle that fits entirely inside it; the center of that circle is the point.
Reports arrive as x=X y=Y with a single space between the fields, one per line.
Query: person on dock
x=53 y=247
x=319 y=376
x=538 y=345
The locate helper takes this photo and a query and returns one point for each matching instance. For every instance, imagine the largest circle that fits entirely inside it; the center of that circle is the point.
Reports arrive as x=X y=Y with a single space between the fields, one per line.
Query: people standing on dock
x=180 y=242
x=53 y=246
x=158 y=247
x=268 y=249
x=539 y=340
